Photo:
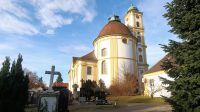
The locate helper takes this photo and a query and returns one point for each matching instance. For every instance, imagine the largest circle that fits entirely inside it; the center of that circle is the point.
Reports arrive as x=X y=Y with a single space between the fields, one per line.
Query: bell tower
x=134 y=20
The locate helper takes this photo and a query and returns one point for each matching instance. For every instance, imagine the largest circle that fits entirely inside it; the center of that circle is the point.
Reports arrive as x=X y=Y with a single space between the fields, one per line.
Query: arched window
x=103 y=67
x=89 y=70
x=139 y=39
x=104 y=52
x=151 y=82
x=138 y=24
x=140 y=58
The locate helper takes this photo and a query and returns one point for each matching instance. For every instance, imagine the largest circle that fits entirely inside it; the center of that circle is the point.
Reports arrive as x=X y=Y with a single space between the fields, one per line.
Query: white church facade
x=118 y=47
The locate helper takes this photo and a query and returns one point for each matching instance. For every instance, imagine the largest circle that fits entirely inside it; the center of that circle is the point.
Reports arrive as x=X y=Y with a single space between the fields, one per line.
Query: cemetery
x=113 y=75
x=91 y=97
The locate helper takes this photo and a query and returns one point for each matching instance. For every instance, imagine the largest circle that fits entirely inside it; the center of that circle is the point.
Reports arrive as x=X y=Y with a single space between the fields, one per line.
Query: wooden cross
x=52 y=73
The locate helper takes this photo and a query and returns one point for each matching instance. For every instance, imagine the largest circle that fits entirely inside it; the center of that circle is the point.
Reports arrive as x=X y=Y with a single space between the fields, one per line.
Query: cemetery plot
x=48 y=102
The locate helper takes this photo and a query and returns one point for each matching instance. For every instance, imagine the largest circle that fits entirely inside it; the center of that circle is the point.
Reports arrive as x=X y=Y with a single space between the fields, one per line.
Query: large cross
x=52 y=73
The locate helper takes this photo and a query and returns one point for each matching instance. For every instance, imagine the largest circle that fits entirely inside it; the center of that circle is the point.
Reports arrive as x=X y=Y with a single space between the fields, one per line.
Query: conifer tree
x=184 y=19
x=59 y=79
x=20 y=86
x=5 y=68
x=13 y=86
x=4 y=91
x=102 y=85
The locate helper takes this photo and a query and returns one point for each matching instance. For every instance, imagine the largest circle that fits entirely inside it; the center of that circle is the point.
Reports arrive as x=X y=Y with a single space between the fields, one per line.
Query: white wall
x=125 y=64
x=130 y=21
x=124 y=57
x=125 y=50
x=158 y=84
x=99 y=45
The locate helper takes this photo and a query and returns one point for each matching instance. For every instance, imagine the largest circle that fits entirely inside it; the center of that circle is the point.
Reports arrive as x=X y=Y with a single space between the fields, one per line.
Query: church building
x=152 y=82
x=119 y=47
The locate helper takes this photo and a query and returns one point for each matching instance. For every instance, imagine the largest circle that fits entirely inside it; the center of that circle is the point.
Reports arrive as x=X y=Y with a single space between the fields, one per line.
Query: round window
x=124 y=40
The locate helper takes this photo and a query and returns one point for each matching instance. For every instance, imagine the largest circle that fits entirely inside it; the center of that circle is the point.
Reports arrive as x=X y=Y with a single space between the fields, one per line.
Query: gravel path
x=133 y=107
x=141 y=107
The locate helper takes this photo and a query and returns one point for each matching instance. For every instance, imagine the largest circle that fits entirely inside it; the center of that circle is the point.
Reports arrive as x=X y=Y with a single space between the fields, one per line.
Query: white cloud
x=11 y=24
x=74 y=48
x=1 y=62
x=50 y=14
x=14 y=19
x=49 y=11
x=15 y=44
x=50 y=32
x=13 y=8
x=4 y=46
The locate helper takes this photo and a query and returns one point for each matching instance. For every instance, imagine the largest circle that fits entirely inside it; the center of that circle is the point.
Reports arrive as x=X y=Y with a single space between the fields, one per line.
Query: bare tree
x=126 y=84
x=34 y=80
x=152 y=90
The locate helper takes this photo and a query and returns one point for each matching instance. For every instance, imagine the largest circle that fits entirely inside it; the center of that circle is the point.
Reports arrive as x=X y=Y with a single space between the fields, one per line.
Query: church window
x=151 y=82
x=124 y=40
x=140 y=49
x=104 y=52
x=89 y=70
x=140 y=58
x=137 y=17
x=139 y=39
x=138 y=24
x=103 y=67
x=141 y=72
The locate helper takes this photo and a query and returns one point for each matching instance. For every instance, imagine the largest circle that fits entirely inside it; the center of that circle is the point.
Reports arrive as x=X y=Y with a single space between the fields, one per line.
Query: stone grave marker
x=50 y=100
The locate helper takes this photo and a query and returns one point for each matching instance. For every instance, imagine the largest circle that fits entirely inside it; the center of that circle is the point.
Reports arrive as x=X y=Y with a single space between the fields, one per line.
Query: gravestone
x=63 y=100
x=50 y=100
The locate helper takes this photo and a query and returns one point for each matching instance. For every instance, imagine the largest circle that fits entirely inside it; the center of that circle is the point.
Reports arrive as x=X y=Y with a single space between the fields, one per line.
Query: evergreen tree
x=13 y=87
x=184 y=19
x=5 y=68
x=59 y=79
x=4 y=83
x=102 y=85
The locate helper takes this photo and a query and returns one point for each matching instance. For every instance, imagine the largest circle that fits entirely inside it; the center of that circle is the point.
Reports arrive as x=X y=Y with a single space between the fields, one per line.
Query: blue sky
x=50 y=32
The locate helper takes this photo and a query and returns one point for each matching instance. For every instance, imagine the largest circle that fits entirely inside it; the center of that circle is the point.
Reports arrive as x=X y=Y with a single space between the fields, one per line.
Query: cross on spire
x=132 y=3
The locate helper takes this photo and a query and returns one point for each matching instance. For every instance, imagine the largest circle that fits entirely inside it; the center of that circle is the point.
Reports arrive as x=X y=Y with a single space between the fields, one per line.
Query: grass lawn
x=122 y=102
x=137 y=99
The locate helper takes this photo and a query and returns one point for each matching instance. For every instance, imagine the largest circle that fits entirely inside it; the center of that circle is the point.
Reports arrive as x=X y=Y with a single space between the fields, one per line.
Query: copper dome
x=115 y=27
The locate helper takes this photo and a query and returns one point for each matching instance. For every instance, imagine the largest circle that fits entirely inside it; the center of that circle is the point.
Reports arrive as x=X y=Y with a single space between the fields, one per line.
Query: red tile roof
x=88 y=57
x=60 y=84
x=157 y=67
x=115 y=27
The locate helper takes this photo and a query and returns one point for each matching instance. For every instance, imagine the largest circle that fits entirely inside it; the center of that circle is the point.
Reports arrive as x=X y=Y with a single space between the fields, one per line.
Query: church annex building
x=118 y=47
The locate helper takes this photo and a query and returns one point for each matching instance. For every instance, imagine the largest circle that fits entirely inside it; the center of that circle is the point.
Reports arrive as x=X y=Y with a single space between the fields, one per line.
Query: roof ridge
x=157 y=67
